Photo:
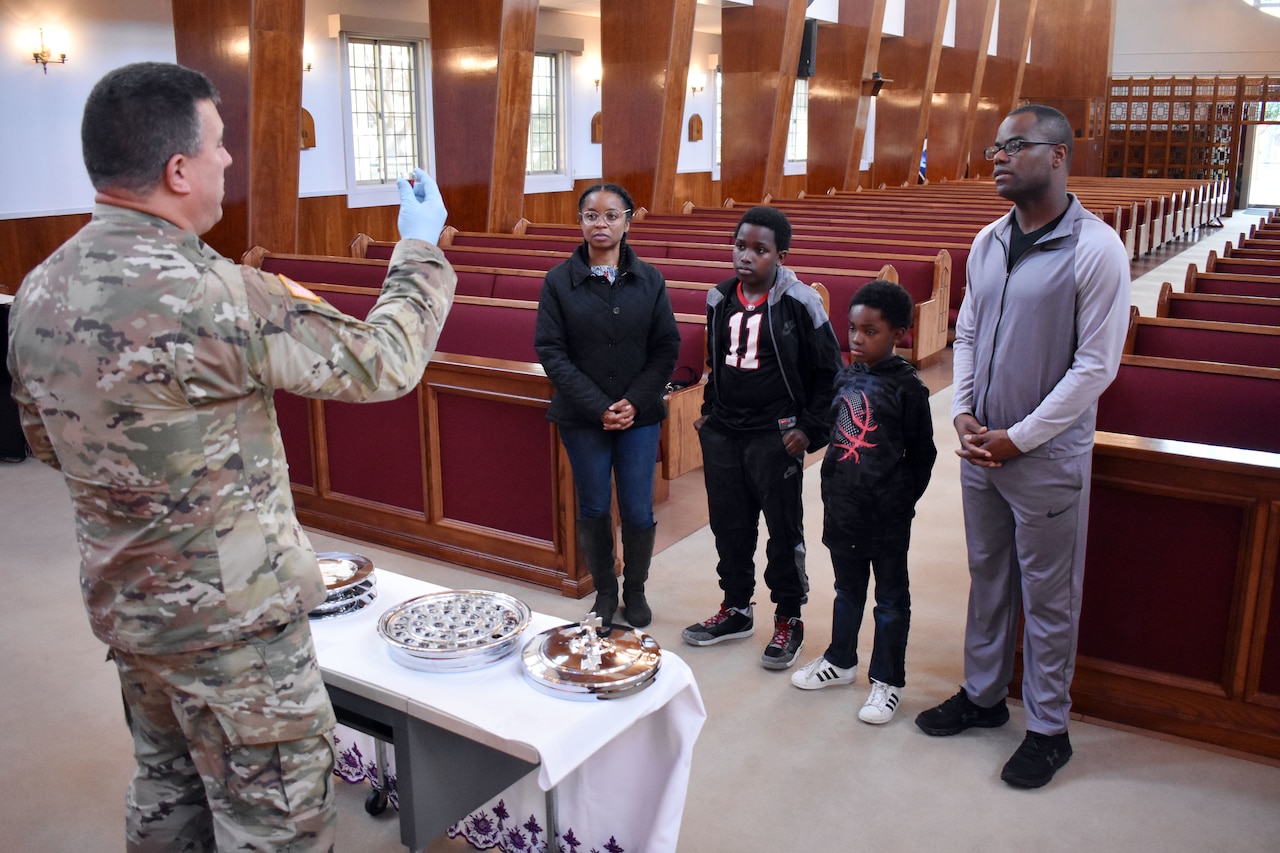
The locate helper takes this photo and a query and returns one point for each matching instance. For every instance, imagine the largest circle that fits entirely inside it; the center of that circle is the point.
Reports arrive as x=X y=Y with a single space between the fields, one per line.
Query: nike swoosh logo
x=1058 y=513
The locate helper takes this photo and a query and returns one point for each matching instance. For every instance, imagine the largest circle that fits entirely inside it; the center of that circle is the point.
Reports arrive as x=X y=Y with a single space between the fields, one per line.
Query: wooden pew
x=407 y=473
x=1230 y=284
x=1230 y=251
x=927 y=279
x=1180 y=630
x=716 y=245
x=1196 y=401
x=1200 y=340
x=1242 y=266
x=1254 y=310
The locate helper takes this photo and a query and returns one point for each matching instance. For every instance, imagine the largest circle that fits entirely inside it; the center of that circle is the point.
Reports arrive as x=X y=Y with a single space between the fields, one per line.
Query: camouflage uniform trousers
x=234 y=747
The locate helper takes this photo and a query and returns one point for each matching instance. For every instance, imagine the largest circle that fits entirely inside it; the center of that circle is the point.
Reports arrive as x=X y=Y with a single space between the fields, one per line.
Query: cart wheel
x=376 y=802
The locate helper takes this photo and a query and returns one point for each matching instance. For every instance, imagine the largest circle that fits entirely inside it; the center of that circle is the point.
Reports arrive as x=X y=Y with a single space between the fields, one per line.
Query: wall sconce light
x=696 y=89
x=307 y=67
x=44 y=56
x=597 y=84
x=307 y=57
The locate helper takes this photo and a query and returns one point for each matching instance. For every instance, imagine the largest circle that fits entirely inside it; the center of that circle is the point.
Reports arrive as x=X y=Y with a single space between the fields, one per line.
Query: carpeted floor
x=775 y=768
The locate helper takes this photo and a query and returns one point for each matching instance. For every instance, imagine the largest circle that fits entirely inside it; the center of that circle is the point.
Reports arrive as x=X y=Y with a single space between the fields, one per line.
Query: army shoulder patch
x=298 y=290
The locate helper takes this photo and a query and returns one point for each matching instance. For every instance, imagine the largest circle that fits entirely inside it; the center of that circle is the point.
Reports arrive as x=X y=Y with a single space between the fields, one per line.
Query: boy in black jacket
x=876 y=468
x=773 y=356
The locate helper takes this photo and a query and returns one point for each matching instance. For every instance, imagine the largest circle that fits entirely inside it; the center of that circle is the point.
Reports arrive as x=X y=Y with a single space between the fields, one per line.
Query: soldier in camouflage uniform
x=144 y=366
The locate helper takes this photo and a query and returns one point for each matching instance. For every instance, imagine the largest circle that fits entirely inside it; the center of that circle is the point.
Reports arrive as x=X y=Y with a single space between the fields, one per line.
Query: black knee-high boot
x=637 y=551
x=595 y=538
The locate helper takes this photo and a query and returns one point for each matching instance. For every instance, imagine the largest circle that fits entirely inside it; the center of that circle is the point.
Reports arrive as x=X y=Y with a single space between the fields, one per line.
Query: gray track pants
x=1025 y=525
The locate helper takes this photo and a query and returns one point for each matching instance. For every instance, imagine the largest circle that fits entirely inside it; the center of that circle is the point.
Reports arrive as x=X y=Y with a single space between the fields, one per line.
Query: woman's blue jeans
x=599 y=457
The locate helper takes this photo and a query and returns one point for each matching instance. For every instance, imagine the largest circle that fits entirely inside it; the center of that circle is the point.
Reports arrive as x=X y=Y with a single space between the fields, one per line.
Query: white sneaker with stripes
x=820 y=672
x=881 y=704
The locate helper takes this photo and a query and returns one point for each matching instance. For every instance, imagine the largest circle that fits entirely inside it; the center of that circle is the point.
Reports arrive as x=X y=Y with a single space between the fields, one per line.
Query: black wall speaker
x=808 y=49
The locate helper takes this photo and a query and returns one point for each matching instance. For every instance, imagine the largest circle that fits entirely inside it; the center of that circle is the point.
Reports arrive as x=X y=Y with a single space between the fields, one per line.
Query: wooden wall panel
x=643 y=87
x=326 y=226
x=760 y=52
x=1074 y=74
x=902 y=111
x=261 y=107
x=955 y=102
x=697 y=187
x=1002 y=79
x=212 y=36
x=481 y=85
x=839 y=100
x=276 y=120
x=25 y=243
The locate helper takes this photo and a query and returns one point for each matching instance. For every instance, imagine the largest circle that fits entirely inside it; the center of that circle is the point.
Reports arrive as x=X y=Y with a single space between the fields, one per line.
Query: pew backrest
x=1254 y=310
x=1195 y=401
x=1199 y=340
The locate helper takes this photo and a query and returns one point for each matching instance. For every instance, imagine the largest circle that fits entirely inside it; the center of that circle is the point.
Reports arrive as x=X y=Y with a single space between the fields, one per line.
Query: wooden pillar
x=955 y=95
x=644 y=57
x=481 y=89
x=840 y=95
x=252 y=50
x=759 y=55
x=902 y=111
x=1002 y=79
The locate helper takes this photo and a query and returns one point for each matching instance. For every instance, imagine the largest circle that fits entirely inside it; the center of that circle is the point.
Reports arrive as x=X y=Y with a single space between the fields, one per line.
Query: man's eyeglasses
x=1013 y=146
x=611 y=216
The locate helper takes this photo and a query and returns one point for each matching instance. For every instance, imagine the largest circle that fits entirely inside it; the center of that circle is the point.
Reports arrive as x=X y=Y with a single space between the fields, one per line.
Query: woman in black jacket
x=608 y=341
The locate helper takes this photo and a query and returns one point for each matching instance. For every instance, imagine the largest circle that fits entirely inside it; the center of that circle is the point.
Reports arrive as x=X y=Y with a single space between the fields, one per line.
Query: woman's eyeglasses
x=611 y=216
x=1013 y=146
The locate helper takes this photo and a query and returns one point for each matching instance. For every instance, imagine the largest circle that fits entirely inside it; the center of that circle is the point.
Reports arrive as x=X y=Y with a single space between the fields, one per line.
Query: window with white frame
x=385 y=108
x=798 y=130
x=546 y=117
x=719 y=123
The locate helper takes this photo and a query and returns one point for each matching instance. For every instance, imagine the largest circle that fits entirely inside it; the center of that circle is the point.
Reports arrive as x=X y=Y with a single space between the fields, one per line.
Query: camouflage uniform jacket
x=144 y=365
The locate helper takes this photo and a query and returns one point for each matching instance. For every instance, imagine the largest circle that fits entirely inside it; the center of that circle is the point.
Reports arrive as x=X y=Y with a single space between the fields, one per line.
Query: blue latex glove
x=422 y=213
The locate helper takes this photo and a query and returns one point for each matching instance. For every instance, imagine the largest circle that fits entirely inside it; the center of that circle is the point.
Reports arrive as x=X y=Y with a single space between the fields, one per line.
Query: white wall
x=1201 y=37
x=41 y=169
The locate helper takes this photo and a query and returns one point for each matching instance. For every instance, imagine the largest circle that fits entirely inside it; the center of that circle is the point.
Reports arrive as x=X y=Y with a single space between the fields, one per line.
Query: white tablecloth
x=620 y=767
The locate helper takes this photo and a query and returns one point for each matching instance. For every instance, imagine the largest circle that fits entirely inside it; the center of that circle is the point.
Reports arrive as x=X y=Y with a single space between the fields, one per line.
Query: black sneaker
x=959 y=713
x=1035 y=762
x=788 y=640
x=729 y=624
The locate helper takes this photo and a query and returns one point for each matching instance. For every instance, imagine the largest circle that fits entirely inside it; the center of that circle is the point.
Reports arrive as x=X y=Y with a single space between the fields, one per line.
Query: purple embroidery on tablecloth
x=483 y=830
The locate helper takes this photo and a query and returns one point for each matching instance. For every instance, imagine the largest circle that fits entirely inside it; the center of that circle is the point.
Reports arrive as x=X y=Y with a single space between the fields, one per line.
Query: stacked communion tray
x=349 y=581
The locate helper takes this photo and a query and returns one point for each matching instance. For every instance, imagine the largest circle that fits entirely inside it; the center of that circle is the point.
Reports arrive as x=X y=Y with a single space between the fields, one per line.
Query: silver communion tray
x=350 y=583
x=582 y=662
x=454 y=630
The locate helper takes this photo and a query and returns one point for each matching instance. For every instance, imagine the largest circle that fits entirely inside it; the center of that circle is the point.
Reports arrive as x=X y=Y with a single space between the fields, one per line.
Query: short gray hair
x=136 y=118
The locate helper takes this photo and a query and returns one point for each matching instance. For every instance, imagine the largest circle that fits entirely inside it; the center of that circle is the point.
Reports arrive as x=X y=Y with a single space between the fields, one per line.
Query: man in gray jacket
x=1038 y=340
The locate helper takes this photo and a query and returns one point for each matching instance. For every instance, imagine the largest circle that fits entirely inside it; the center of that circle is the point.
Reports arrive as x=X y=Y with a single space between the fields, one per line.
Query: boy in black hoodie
x=876 y=467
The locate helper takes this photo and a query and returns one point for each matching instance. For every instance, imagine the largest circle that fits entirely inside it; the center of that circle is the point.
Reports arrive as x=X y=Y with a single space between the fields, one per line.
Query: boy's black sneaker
x=1035 y=762
x=729 y=624
x=959 y=713
x=788 y=640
